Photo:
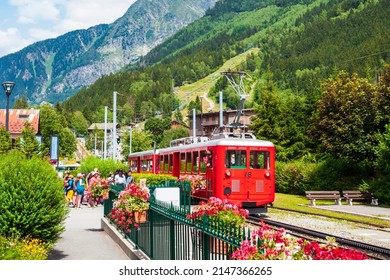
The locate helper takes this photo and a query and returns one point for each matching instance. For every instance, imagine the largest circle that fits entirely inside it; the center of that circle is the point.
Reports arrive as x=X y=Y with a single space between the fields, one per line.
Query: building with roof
x=100 y=126
x=17 y=118
x=206 y=123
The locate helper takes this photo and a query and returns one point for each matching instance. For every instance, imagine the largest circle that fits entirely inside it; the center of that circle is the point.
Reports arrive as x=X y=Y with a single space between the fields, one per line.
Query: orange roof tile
x=17 y=118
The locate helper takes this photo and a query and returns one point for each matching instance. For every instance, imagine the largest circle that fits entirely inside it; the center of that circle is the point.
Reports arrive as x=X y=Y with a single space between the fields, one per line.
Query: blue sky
x=23 y=22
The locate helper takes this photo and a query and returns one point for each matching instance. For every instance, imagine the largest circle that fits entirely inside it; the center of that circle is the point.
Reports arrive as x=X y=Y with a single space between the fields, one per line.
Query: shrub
x=32 y=199
x=22 y=249
x=298 y=176
x=153 y=179
x=104 y=166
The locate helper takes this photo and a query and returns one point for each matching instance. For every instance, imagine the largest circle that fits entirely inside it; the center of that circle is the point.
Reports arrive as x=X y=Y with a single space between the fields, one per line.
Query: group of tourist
x=78 y=190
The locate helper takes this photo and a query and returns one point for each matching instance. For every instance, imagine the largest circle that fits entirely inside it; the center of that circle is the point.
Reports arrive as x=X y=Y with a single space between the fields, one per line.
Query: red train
x=241 y=170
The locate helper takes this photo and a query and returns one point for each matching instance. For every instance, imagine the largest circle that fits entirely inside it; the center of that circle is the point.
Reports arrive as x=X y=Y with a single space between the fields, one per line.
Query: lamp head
x=8 y=86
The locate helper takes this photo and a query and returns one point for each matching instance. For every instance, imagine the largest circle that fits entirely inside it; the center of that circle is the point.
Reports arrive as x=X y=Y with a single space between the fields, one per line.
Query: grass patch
x=299 y=203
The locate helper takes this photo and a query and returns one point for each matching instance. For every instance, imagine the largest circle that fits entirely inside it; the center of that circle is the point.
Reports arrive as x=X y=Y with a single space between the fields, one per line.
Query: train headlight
x=228 y=173
x=267 y=174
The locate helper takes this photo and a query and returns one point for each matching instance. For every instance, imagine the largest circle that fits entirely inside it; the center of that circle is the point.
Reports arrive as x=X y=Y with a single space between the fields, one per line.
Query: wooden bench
x=350 y=195
x=323 y=195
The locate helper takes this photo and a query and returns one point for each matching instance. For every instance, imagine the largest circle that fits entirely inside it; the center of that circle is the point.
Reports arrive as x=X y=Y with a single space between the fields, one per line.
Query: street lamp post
x=8 y=86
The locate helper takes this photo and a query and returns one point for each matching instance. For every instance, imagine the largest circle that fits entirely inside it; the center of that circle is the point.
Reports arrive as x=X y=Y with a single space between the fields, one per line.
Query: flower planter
x=140 y=217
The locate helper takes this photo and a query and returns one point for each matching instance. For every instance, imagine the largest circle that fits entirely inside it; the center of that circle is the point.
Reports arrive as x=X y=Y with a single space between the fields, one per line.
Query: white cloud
x=42 y=19
x=32 y=11
x=12 y=41
x=86 y=13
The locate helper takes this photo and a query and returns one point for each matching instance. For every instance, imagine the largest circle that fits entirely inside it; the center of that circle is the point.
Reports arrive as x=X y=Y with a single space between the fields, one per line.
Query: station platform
x=359 y=209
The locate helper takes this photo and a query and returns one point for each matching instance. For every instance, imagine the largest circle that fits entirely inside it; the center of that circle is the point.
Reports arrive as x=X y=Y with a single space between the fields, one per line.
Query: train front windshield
x=238 y=159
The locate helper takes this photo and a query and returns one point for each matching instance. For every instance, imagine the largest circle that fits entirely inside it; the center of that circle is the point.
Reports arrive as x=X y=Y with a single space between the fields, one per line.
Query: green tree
x=142 y=140
x=79 y=123
x=172 y=134
x=29 y=144
x=68 y=143
x=178 y=116
x=348 y=117
x=52 y=123
x=21 y=103
x=5 y=141
x=157 y=126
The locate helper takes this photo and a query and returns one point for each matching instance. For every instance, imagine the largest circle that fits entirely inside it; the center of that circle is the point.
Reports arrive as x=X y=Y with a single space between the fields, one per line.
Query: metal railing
x=168 y=234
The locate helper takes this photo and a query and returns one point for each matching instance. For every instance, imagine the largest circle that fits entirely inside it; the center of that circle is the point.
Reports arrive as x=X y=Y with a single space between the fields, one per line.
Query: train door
x=262 y=183
x=236 y=166
x=207 y=170
x=176 y=164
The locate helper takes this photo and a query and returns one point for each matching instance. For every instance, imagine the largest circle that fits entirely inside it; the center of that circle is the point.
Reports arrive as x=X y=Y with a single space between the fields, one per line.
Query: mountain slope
x=290 y=36
x=55 y=69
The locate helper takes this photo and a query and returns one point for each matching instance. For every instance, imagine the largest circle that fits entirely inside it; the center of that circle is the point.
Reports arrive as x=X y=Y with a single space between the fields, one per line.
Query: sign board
x=168 y=195
x=54 y=148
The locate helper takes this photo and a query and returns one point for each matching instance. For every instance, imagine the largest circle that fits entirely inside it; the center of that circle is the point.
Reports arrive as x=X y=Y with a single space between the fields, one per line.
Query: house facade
x=206 y=123
x=17 y=119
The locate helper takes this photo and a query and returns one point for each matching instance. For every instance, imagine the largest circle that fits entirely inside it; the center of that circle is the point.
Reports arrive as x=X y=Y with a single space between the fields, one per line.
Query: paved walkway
x=364 y=210
x=84 y=238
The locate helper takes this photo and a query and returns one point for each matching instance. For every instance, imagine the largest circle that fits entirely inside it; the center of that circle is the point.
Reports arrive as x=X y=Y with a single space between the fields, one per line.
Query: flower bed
x=269 y=244
x=100 y=188
x=132 y=199
x=197 y=182
x=218 y=210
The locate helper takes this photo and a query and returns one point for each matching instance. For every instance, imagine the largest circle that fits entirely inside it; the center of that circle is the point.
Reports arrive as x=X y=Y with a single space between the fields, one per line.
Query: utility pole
x=114 y=128
x=131 y=137
x=105 y=133
x=201 y=116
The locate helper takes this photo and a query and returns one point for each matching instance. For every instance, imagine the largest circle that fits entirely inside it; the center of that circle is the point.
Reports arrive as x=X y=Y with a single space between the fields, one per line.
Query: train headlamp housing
x=267 y=174
x=228 y=173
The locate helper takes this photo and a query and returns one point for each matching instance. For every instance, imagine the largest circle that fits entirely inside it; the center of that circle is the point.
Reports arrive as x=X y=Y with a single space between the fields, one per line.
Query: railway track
x=372 y=251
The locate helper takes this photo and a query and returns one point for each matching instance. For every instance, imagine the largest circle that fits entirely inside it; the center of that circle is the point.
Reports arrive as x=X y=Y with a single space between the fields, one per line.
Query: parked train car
x=240 y=170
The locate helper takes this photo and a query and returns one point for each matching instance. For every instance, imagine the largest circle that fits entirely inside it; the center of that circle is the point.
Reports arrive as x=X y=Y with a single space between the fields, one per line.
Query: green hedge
x=32 y=203
x=104 y=166
x=153 y=179
x=296 y=177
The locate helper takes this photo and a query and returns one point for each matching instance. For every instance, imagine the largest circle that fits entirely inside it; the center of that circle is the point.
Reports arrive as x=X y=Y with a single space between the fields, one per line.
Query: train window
x=259 y=160
x=189 y=162
x=150 y=165
x=183 y=162
x=144 y=165
x=170 y=163
x=204 y=157
x=166 y=164
x=133 y=165
x=235 y=159
x=195 y=162
x=161 y=163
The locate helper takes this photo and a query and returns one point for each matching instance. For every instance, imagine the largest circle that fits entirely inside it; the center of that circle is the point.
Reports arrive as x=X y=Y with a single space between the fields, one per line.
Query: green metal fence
x=168 y=234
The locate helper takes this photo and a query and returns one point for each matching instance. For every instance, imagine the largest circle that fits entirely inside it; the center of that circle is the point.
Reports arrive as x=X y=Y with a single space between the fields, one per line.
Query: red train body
x=239 y=170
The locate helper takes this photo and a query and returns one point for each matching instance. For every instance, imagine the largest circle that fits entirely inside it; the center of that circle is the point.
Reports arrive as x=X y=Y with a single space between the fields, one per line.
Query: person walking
x=120 y=179
x=70 y=191
x=91 y=202
x=130 y=178
x=80 y=189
